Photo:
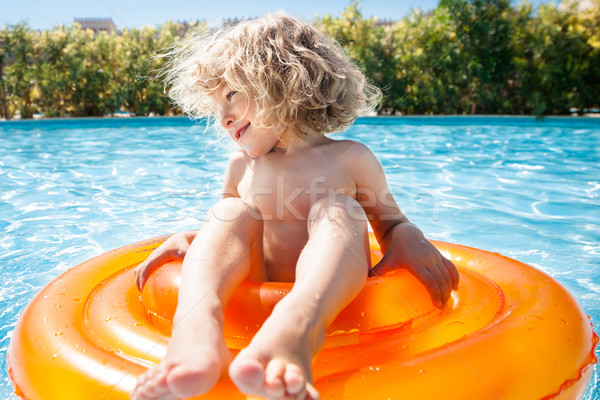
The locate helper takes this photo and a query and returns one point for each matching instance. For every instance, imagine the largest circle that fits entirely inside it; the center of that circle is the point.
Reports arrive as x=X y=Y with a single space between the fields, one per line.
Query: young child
x=295 y=208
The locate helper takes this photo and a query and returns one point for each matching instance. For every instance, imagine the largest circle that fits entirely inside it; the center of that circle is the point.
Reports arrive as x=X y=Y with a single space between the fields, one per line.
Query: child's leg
x=331 y=270
x=227 y=250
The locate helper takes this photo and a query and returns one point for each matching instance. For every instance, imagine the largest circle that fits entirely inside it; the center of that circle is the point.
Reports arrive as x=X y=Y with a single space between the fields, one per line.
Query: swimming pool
x=73 y=189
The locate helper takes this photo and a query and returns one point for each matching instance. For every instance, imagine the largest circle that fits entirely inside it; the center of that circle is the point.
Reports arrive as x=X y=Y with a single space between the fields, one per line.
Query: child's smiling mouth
x=238 y=133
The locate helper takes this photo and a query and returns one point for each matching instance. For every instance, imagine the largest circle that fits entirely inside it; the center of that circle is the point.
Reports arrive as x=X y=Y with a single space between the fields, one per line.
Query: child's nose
x=226 y=120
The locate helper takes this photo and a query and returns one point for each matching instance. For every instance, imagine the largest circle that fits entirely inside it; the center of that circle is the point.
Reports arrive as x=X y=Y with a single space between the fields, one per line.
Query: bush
x=465 y=57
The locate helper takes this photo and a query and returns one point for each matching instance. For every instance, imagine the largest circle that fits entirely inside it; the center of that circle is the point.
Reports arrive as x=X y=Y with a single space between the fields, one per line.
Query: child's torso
x=284 y=187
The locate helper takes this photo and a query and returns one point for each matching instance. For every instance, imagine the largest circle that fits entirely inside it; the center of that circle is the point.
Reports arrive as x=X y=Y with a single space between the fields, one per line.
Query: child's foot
x=192 y=367
x=277 y=363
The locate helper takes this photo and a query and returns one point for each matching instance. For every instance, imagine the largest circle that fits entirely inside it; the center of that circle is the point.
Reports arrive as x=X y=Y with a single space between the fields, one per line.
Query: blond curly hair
x=297 y=76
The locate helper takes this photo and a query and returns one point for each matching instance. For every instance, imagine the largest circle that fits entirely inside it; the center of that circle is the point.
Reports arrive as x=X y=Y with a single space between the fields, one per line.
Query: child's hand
x=409 y=249
x=174 y=248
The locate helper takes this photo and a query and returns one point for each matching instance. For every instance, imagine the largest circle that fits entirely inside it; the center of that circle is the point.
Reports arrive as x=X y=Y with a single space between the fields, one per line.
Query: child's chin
x=252 y=153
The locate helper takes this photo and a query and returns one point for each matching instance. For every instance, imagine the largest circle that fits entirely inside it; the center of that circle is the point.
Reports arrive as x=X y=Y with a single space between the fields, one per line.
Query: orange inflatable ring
x=509 y=332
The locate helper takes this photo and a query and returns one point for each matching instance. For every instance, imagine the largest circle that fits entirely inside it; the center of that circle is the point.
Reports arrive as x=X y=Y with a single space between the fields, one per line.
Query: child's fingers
x=384 y=265
x=443 y=280
x=453 y=271
x=175 y=248
x=154 y=260
x=141 y=275
x=431 y=283
x=439 y=279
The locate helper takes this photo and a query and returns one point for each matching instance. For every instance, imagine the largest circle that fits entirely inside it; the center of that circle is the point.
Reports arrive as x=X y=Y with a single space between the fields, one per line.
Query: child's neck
x=293 y=142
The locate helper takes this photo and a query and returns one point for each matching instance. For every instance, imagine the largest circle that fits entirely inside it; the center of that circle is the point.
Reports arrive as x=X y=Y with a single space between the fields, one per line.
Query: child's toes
x=312 y=393
x=294 y=379
x=274 y=375
x=248 y=375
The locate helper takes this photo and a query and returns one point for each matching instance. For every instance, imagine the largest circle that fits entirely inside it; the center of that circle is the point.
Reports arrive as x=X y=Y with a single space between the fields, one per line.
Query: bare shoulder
x=236 y=168
x=361 y=165
x=238 y=162
x=350 y=148
x=356 y=156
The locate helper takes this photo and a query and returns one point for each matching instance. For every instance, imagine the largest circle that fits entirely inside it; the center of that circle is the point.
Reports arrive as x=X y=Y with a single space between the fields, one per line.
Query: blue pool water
x=73 y=189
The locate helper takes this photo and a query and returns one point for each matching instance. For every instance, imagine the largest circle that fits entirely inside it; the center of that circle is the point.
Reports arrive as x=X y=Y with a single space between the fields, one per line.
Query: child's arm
x=176 y=247
x=402 y=243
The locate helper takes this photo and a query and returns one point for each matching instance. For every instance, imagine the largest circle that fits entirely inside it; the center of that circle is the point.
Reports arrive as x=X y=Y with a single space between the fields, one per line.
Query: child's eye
x=230 y=95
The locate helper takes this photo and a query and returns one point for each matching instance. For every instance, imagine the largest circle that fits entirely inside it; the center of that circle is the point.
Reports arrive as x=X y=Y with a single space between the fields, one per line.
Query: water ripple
x=72 y=190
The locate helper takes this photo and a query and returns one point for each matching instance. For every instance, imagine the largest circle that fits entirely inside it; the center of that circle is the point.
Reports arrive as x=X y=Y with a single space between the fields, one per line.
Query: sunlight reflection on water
x=71 y=190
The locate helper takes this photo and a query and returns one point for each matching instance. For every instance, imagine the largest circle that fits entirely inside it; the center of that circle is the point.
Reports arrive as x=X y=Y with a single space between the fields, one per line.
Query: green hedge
x=466 y=57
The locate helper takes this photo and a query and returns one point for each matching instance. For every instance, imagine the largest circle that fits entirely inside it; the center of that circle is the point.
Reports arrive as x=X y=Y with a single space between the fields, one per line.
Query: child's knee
x=234 y=209
x=340 y=210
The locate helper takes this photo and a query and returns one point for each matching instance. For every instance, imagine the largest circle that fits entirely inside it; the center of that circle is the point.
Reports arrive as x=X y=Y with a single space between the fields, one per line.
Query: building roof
x=97 y=24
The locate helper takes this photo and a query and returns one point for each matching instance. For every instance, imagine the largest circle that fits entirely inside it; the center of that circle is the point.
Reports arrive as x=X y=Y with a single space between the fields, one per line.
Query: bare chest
x=286 y=191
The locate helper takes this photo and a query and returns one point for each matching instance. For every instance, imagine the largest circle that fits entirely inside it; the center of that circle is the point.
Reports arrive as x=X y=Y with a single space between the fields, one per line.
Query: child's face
x=237 y=113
